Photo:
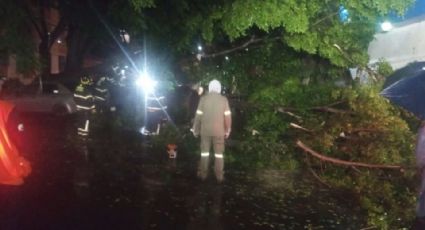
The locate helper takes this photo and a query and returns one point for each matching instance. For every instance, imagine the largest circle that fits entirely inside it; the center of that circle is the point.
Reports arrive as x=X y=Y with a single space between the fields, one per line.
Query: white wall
x=404 y=44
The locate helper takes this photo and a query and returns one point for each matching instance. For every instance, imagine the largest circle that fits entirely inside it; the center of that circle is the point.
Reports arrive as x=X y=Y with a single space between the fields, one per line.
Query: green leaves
x=139 y=5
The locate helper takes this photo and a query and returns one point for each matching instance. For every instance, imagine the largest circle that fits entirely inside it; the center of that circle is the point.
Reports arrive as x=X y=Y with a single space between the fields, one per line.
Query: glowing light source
x=146 y=83
x=386 y=26
x=21 y=127
x=344 y=16
x=199 y=48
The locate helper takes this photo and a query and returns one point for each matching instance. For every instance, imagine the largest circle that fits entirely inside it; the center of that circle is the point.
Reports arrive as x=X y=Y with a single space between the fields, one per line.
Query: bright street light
x=146 y=83
x=386 y=26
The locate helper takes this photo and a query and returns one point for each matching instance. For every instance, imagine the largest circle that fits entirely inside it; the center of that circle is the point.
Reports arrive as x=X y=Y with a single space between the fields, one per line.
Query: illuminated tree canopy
x=283 y=63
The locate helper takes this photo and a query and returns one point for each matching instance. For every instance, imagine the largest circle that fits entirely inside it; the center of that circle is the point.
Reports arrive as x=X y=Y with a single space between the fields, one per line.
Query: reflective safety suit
x=85 y=105
x=13 y=167
x=101 y=95
x=213 y=123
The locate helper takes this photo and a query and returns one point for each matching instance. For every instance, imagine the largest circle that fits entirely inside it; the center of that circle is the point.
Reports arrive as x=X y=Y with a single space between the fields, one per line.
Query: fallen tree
x=344 y=162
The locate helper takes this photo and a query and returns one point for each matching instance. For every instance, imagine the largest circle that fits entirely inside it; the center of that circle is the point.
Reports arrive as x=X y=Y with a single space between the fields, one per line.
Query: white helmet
x=214 y=86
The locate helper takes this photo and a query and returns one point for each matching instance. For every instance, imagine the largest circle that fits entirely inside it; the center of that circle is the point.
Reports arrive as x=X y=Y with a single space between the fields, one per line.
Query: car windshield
x=15 y=90
x=50 y=89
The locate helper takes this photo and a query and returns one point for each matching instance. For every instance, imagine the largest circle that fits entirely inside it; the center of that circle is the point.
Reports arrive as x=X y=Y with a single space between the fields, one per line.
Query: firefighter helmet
x=86 y=80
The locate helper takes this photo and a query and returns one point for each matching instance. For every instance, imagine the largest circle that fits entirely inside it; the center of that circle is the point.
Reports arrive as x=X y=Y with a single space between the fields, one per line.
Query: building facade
x=401 y=45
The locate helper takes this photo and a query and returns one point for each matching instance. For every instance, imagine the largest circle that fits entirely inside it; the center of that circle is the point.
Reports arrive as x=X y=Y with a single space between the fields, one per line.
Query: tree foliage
x=284 y=64
x=309 y=26
x=91 y=28
x=294 y=70
x=12 y=43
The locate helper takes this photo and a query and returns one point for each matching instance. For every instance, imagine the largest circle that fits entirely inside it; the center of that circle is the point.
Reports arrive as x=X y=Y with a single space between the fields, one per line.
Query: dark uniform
x=156 y=110
x=101 y=95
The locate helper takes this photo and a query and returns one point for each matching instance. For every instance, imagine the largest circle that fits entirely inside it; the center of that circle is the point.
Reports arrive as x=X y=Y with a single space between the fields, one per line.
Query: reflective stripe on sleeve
x=83 y=133
x=199 y=112
x=101 y=90
x=218 y=155
x=156 y=98
x=85 y=107
x=205 y=154
x=227 y=113
x=155 y=109
x=83 y=97
x=100 y=98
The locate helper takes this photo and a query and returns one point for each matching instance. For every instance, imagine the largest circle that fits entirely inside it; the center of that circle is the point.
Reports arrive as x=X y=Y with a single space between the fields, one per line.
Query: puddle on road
x=125 y=189
x=169 y=194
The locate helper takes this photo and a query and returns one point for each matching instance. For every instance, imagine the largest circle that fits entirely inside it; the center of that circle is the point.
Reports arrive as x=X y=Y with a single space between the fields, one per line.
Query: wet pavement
x=119 y=183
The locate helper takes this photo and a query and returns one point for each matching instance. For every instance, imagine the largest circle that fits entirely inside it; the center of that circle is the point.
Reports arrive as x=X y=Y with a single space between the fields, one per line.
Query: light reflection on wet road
x=122 y=187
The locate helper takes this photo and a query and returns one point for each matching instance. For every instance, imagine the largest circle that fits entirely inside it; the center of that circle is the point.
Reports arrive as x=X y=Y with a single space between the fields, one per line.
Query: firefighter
x=84 y=99
x=156 y=110
x=101 y=95
x=213 y=123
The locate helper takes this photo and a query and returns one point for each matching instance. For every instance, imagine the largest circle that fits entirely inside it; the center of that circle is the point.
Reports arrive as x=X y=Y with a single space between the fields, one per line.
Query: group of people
x=212 y=123
x=212 y=120
x=90 y=97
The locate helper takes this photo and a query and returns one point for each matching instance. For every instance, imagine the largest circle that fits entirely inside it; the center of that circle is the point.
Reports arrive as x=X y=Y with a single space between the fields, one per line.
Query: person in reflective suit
x=213 y=123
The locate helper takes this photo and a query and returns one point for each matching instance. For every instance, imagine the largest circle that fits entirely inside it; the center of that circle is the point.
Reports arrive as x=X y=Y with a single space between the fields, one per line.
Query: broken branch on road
x=343 y=162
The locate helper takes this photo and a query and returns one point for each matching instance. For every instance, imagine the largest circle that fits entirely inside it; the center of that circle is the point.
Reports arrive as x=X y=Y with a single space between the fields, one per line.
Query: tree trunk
x=44 y=52
x=76 y=42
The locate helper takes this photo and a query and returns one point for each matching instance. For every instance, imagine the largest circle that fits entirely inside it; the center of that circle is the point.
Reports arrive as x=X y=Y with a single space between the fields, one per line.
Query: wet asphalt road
x=116 y=184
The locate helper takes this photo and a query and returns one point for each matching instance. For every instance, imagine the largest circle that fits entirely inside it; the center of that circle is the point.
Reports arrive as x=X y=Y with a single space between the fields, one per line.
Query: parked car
x=54 y=98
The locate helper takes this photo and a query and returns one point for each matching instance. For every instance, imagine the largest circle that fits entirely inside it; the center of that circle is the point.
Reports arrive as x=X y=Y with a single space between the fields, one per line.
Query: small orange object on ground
x=172 y=152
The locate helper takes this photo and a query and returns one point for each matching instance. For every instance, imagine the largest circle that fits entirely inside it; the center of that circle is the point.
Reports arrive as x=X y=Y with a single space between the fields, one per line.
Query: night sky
x=416 y=10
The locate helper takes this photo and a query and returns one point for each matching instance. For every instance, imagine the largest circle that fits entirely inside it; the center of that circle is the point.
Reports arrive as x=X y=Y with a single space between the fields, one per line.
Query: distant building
x=402 y=45
x=58 y=51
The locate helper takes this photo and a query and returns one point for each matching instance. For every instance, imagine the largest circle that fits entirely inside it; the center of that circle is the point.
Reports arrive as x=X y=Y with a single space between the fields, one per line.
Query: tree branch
x=291 y=114
x=326 y=108
x=367 y=130
x=343 y=162
x=314 y=173
x=324 y=18
x=57 y=31
x=318 y=177
x=42 y=17
x=252 y=40
x=331 y=110
x=32 y=18
x=370 y=71
x=293 y=125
